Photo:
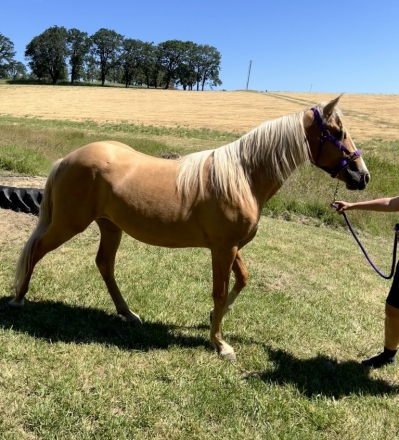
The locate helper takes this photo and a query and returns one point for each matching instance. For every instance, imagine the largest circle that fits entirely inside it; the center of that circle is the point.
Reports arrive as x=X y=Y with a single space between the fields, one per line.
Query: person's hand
x=341 y=206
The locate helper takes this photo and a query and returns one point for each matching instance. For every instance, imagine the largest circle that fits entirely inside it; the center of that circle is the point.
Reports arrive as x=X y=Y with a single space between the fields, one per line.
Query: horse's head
x=331 y=147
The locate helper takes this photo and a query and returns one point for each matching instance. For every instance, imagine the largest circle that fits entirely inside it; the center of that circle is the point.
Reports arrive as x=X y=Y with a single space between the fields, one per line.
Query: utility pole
x=249 y=73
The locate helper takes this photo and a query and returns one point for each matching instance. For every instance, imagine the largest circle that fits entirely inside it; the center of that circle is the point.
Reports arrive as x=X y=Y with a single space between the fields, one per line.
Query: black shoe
x=379 y=361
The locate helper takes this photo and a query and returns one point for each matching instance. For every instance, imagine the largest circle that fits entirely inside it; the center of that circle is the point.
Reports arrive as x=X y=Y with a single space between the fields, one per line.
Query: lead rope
x=395 y=243
x=335 y=192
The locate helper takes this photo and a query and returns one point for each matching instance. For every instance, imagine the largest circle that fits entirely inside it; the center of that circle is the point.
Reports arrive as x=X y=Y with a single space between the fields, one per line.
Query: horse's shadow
x=321 y=376
x=56 y=321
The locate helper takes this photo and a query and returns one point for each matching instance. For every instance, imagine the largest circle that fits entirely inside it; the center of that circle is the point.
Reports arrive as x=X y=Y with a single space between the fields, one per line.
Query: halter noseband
x=327 y=136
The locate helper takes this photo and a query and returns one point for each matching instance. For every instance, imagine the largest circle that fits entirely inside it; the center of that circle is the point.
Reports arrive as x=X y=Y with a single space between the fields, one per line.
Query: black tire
x=25 y=200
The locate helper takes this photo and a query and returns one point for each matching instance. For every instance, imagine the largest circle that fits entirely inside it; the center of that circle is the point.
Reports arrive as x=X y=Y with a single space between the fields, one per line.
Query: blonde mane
x=275 y=147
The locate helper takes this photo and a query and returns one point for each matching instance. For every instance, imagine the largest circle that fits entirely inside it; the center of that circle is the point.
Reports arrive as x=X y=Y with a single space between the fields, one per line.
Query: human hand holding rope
x=374 y=205
x=341 y=206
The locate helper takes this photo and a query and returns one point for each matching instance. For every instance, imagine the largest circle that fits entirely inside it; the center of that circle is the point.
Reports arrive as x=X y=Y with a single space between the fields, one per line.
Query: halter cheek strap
x=326 y=136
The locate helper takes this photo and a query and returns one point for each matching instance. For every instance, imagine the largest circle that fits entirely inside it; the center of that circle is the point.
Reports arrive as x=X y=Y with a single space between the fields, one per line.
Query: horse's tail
x=45 y=217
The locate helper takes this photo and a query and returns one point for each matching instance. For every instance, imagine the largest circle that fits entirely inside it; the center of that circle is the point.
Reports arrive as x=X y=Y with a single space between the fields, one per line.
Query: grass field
x=71 y=369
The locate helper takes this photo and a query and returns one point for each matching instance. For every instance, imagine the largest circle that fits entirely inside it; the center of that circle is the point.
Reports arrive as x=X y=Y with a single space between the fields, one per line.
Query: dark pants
x=393 y=295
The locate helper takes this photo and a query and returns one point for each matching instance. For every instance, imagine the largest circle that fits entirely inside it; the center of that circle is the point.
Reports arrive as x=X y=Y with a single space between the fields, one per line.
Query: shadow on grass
x=322 y=375
x=56 y=321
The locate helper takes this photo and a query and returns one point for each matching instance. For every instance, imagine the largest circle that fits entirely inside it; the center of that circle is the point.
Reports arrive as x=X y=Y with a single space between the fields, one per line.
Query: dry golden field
x=366 y=116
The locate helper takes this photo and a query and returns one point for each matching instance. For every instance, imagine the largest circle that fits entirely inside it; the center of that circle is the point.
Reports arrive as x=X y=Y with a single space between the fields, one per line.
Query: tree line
x=70 y=54
x=9 y=67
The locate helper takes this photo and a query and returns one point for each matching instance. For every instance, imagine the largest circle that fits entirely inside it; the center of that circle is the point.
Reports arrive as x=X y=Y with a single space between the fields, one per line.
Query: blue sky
x=349 y=46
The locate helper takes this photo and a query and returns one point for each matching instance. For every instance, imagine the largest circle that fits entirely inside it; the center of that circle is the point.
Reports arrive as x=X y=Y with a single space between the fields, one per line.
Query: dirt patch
x=15 y=227
x=19 y=181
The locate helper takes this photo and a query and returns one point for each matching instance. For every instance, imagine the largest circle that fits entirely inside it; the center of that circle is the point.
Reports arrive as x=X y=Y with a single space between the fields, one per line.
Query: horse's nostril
x=367 y=178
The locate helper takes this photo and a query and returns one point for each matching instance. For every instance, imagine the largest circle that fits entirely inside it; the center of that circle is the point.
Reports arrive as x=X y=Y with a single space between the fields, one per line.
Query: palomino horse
x=210 y=199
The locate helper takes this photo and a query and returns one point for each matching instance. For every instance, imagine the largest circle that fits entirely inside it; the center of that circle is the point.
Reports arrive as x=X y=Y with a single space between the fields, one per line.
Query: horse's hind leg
x=241 y=279
x=39 y=244
x=105 y=260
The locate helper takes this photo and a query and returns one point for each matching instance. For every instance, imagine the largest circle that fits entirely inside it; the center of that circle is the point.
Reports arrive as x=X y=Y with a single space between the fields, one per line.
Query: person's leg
x=391 y=339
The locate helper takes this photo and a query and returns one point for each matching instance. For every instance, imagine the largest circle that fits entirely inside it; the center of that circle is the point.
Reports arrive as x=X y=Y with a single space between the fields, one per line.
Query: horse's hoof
x=225 y=351
x=133 y=319
x=229 y=355
x=15 y=304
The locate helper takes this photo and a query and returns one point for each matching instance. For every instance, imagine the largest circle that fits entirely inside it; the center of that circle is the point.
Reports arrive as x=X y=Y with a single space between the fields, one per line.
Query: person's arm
x=388 y=204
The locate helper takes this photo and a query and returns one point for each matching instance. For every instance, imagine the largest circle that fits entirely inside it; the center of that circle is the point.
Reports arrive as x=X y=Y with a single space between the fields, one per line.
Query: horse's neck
x=264 y=185
x=275 y=149
x=263 y=189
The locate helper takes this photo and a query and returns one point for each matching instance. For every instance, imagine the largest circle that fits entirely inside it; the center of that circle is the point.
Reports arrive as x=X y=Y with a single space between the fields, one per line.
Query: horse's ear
x=328 y=108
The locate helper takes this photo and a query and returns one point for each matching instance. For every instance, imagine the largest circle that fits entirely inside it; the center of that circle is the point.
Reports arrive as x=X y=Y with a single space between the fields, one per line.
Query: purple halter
x=326 y=136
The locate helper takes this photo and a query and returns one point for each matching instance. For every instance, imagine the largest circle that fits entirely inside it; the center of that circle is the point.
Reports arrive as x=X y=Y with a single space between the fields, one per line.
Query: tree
x=106 y=45
x=78 y=44
x=171 y=56
x=213 y=79
x=47 y=53
x=131 y=59
x=185 y=73
x=186 y=76
x=90 y=69
x=151 y=69
x=115 y=72
x=7 y=54
x=16 y=70
x=207 y=66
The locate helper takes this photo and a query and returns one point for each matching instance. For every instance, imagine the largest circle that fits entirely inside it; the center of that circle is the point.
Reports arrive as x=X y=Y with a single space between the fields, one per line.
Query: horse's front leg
x=241 y=279
x=222 y=261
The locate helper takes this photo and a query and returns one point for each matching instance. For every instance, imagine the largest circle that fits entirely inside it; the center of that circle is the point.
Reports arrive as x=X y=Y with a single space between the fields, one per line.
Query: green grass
x=122 y=128
x=69 y=368
x=23 y=160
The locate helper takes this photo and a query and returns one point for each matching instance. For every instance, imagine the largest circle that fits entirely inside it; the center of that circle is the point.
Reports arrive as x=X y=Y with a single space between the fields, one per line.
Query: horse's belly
x=176 y=235
x=158 y=224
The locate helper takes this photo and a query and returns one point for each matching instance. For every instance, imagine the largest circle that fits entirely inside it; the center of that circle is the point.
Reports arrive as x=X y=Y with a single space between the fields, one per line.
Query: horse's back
x=113 y=160
x=103 y=152
x=110 y=180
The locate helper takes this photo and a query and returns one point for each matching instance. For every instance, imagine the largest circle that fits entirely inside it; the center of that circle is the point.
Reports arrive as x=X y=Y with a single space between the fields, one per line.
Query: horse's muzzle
x=356 y=180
